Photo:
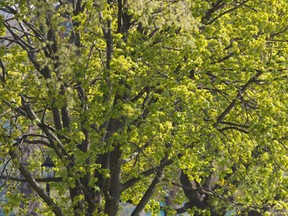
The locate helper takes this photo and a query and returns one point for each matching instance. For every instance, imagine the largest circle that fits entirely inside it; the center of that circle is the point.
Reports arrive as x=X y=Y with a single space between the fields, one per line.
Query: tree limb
x=34 y=184
x=238 y=96
x=159 y=175
x=149 y=172
x=227 y=11
x=54 y=179
x=138 y=151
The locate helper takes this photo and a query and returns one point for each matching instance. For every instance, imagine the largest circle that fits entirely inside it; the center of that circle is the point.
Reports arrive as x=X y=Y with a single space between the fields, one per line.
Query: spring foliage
x=134 y=100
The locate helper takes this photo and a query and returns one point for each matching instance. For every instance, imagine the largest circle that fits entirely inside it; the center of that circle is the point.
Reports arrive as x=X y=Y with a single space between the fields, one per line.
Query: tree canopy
x=178 y=102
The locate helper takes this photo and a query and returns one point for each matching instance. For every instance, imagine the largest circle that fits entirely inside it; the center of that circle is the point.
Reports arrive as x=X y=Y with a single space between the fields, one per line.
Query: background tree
x=134 y=99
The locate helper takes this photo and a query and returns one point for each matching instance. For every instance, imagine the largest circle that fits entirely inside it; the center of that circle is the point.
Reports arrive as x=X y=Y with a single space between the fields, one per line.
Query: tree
x=136 y=100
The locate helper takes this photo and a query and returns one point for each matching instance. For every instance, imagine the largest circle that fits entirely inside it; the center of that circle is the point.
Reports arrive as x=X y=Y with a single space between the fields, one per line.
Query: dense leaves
x=138 y=101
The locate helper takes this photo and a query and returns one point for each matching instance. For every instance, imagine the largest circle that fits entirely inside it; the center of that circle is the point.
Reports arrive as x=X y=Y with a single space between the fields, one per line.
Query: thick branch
x=149 y=192
x=58 y=147
x=159 y=175
x=34 y=184
x=57 y=118
x=37 y=142
x=3 y=76
x=215 y=7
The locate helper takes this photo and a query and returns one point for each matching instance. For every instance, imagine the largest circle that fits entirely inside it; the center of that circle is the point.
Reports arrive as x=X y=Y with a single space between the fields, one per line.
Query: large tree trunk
x=114 y=186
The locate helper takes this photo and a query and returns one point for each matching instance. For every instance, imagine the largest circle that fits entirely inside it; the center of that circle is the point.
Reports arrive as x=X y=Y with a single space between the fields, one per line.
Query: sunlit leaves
x=179 y=83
